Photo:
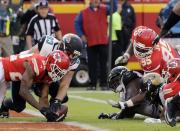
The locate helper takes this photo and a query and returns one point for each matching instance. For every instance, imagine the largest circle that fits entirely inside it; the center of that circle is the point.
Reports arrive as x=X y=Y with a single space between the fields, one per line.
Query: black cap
x=42 y=3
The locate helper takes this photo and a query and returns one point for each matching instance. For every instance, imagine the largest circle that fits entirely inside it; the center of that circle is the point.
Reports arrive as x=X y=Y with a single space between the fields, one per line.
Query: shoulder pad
x=74 y=64
x=129 y=76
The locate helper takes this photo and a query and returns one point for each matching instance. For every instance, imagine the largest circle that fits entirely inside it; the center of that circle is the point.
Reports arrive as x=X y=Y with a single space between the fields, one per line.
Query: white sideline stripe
x=33 y=113
x=85 y=126
x=88 y=99
x=89 y=92
x=99 y=101
x=34 y=129
x=77 y=124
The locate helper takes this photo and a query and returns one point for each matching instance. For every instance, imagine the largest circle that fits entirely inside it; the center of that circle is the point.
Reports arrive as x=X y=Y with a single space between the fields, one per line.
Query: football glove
x=55 y=104
x=50 y=116
x=122 y=60
x=113 y=116
x=119 y=104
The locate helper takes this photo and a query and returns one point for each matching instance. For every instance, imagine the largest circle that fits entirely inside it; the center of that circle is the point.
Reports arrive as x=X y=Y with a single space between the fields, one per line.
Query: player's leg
x=171 y=106
x=3 y=85
x=17 y=103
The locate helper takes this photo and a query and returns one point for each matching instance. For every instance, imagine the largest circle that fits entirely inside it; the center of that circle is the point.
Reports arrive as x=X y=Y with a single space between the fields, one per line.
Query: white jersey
x=48 y=45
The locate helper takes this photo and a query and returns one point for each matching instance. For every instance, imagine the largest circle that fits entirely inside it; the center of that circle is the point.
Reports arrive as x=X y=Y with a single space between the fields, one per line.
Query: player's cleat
x=170 y=113
x=4 y=112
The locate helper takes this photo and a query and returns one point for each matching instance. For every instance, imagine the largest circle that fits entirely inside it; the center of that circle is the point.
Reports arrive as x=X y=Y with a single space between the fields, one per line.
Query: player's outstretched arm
x=123 y=60
x=26 y=83
x=62 y=91
x=43 y=99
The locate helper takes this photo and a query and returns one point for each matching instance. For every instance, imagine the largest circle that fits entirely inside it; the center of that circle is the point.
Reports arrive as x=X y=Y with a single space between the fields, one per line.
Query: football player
x=152 y=58
x=171 y=91
x=30 y=68
x=70 y=44
x=134 y=96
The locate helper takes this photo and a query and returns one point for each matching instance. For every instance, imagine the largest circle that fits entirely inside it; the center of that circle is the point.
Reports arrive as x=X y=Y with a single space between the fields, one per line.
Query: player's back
x=162 y=53
x=14 y=65
x=47 y=45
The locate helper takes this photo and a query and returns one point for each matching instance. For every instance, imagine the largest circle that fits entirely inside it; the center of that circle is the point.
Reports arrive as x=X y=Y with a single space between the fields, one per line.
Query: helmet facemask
x=115 y=84
x=56 y=73
x=173 y=74
x=141 y=51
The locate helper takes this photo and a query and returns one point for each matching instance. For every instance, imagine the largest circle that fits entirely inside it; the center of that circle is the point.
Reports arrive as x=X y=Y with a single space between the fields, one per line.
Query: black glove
x=103 y=116
x=50 y=116
x=113 y=116
x=55 y=104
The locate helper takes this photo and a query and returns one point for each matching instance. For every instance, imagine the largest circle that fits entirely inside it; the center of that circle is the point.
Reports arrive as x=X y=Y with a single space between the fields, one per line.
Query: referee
x=44 y=23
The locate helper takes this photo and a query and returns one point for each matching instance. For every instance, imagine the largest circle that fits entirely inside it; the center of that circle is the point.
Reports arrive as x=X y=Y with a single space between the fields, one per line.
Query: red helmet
x=57 y=64
x=142 y=39
x=173 y=70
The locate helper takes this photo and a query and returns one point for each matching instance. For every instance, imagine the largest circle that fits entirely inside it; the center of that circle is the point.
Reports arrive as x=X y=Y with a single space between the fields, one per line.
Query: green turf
x=86 y=112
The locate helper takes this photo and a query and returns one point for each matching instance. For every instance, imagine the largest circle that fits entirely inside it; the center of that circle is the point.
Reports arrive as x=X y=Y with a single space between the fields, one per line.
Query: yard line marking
x=89 y=92
x=85 y=126
x=33 y=113
x=34 y=129
x=88 y=99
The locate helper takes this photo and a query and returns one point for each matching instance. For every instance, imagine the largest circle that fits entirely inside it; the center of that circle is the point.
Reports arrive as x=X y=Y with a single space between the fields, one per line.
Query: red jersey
x=171 y=89
x=156 y=62
x=14 y=67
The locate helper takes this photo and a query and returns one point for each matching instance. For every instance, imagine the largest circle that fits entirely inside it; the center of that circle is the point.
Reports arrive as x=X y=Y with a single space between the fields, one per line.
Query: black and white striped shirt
x=39 y=26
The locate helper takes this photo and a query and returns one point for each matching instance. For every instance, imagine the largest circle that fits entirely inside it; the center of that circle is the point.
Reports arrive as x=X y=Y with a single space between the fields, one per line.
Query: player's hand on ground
x=122 y=60
x=113 y=116
x=55 y=105
x=50 y=116
x=119 y=104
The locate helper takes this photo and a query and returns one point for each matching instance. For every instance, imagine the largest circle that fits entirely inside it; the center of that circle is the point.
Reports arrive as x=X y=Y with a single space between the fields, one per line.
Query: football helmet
x=173 y=70
x=142 y=39
x=72 y=45
x=115 y=78
x=57 y=64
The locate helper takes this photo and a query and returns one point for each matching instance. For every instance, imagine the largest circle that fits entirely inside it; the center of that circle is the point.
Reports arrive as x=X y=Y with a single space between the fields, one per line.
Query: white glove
x=122 y=59
x=119 y=104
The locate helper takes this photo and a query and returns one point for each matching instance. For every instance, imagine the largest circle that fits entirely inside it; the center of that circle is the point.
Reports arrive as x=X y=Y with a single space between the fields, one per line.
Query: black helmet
x=115 y=78
x=73 y=44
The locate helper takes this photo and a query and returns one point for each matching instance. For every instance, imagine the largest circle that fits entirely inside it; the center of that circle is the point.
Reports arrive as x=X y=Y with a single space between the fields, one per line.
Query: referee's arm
x=57 y=29
x=29 y=33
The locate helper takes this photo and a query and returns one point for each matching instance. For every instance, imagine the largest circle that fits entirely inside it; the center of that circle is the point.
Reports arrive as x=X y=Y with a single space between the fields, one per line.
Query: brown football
x=62 y=112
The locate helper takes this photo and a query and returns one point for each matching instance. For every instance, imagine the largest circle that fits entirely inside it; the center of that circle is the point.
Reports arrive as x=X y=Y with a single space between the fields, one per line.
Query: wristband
x=127 y=54
x=129 y=103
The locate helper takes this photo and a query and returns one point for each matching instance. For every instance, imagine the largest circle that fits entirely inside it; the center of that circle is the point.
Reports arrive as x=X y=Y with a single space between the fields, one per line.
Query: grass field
x=85 y=106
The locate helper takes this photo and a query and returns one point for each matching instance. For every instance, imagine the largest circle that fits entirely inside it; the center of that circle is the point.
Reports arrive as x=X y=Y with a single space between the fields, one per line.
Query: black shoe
x=91 y=88
x=4 y=112
x=170 y=113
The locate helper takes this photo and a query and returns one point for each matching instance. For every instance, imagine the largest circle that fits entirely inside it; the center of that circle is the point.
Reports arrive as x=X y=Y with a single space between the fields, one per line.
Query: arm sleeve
x=30 y=28
x=78 y=24
x=171 y=21
x=56 y=28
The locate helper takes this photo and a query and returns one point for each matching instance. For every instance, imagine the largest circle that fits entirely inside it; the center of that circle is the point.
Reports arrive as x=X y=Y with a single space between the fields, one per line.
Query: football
x=62 y=112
